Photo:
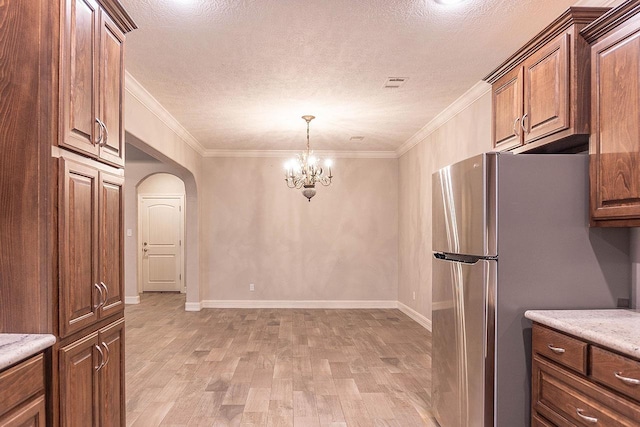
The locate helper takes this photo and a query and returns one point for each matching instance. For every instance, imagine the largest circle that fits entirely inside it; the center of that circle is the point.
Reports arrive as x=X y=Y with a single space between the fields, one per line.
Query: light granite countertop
x=617 y=329
x=17 y=347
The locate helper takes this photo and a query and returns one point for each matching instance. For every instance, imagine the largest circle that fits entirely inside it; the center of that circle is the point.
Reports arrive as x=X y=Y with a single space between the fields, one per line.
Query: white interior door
x=161 y=242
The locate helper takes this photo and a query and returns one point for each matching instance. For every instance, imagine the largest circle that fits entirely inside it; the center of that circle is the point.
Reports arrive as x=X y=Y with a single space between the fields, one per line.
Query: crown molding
x=476 y=92
x=141 y=94
x=289 y=153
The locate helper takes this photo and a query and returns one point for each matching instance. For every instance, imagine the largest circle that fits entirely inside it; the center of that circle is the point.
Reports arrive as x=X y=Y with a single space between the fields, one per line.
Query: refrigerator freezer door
x=464 y=206
x=462 y=357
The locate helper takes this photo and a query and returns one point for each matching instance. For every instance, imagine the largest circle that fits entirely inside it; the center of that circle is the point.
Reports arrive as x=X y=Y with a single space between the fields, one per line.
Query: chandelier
x=304 y=171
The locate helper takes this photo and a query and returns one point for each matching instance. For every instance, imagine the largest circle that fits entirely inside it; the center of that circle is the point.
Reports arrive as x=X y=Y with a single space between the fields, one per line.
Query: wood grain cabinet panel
x=562 y=395
x=31 y=414
x=91 y=245
x=615 y=139
x=79 y=363
x=541 y=93
x=22 y=394
x=80 y=294
x=62 y=139
x=546 y=88
x=507 y=102
x=618 y=372
x=92 y=82
x=112 y=91
x=92 y=379
x=111 y=243
x=79 y=77
x=560 y=348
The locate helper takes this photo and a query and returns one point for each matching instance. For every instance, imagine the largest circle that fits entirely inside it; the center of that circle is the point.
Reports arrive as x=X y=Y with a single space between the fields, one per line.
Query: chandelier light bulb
x=313 y=160
x=328 y=163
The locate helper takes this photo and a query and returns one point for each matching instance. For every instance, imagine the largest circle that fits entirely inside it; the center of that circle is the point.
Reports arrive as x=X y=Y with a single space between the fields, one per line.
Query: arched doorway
x=161 y=234
x=142 y=162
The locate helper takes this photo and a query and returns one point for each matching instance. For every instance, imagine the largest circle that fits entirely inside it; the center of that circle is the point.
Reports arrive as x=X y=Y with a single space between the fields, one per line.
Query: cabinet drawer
x=537 y=421
x=604 y=366
x=565 y=350
x=567 y=399
x=19 y=383
x=30 y=414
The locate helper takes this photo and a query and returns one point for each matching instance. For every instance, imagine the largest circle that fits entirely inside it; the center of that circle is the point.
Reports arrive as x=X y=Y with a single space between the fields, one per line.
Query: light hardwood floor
x=274 y=367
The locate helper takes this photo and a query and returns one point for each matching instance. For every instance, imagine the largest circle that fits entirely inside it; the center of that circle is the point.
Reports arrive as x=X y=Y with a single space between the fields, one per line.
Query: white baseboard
x=193 y=306
x=426 y=323
x=323 y=304
x=297 y=304
x=132 y=300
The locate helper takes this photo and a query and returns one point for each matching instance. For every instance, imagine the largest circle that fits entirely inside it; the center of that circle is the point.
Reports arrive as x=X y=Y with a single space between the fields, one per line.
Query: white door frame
x=141 y=196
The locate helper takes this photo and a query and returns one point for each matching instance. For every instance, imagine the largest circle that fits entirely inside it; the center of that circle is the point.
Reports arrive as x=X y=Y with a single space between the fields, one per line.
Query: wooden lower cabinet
x=22 y=394
x=31 y=414
x=564 y=396
x=92 y=379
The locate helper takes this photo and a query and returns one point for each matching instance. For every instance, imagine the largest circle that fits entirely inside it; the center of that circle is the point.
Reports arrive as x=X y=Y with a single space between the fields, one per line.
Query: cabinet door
x=111 y=244
x=546 y=90
x=507 y=110
x=112 y=91
x=79 y=363
x=111 y=396
x=615 y=139
x=78 y=238
x=31 y=414
x=79 y=76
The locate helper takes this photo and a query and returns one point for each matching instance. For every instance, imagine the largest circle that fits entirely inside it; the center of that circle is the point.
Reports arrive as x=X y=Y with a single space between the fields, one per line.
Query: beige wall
x=343 y=245
x=466 y=134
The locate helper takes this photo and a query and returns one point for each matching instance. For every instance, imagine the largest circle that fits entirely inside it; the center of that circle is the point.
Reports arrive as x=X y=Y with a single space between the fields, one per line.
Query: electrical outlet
x=252 y=287
x=414 y=295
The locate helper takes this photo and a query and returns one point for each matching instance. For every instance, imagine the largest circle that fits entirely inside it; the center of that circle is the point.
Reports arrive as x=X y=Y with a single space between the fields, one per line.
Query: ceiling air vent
x=394 y=82
x=356 y=138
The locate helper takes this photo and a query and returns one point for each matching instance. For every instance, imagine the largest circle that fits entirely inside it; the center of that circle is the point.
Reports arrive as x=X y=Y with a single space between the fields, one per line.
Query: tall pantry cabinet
x=61 y=196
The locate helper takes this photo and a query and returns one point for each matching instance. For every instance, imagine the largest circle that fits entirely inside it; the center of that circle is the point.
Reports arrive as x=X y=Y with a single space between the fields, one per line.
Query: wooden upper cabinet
x=615 y=138
x=507 y=102
x=79 y=77
x=92 y=82
x=541 y=93
x=546 y=90
x=112 y=91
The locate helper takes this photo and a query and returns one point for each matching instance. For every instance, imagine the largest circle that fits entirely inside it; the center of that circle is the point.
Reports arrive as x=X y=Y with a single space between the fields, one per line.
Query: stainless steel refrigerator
x=510 y=233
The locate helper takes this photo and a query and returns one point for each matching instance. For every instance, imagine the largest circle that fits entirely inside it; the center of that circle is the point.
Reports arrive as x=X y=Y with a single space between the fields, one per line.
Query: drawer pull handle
x=556 y=350
x=626 y=380
x=585 y=417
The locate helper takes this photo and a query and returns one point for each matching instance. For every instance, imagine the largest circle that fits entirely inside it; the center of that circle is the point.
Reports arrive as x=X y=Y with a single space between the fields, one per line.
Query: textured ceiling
x=238 y=74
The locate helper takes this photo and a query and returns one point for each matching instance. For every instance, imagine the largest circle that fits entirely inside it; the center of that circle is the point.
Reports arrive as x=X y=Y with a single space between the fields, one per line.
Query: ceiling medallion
x=304 y=170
